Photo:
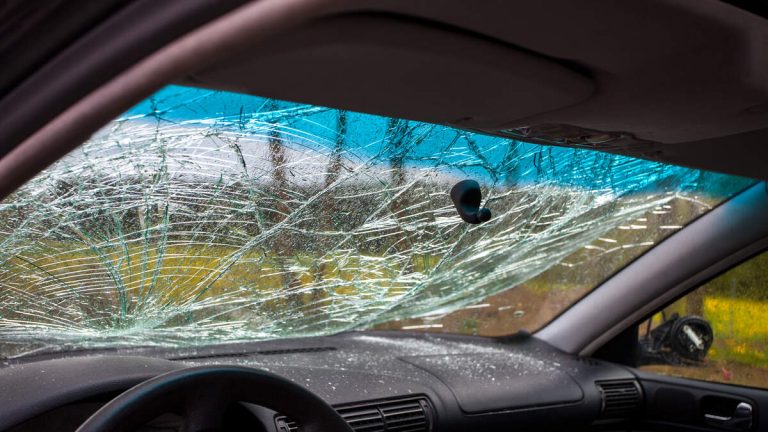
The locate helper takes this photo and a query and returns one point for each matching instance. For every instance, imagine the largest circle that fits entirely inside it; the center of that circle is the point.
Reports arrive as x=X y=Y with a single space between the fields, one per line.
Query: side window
x=719 y=332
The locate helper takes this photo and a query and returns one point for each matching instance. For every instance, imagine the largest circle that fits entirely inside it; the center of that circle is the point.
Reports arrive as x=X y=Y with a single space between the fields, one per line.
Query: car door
x=702 y=360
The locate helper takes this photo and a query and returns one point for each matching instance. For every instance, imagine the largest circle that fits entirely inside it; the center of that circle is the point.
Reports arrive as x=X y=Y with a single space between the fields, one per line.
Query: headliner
x=673 y=81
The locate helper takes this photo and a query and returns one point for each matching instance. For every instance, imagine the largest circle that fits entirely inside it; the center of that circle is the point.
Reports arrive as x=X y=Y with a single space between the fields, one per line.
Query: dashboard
x=377 y=381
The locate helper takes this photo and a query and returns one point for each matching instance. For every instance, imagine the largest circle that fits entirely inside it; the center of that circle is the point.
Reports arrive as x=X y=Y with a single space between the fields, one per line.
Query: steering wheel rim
x=203 y=393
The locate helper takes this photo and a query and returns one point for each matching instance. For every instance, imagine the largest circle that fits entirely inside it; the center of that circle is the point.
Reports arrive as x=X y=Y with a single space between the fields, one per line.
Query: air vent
x=394 y=415
x=621 y=399
x=295 y=350
x=251 y=353
x=406 y=416
x=588 y=361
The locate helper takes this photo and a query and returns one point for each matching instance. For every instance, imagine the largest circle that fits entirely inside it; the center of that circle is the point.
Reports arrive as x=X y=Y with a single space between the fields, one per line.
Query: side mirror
x=691 y=337
x=677 y=340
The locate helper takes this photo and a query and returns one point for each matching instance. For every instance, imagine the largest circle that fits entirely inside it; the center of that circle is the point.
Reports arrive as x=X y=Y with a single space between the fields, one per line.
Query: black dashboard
x=377 y=381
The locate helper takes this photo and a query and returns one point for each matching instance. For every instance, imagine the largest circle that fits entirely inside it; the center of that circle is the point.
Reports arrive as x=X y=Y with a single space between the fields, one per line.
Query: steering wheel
x=202 y=394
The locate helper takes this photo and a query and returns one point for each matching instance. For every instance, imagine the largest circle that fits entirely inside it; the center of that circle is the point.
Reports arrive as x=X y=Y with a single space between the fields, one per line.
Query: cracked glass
x=202 y=217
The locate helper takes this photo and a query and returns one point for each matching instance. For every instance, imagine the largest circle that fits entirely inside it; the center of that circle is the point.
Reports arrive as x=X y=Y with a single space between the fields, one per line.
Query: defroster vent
x=413 y=414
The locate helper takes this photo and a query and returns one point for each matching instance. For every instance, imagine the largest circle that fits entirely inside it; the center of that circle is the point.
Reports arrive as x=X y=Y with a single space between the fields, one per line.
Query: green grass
x=741 y=330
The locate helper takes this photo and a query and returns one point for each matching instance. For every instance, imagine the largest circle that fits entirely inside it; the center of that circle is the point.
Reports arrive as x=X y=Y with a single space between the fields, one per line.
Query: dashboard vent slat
x=296 y=350
x=405 y=417
x=412 y=414
x=621 y=399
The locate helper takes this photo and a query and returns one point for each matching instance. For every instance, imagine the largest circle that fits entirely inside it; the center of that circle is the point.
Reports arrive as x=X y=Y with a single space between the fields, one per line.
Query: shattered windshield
x=200 y=217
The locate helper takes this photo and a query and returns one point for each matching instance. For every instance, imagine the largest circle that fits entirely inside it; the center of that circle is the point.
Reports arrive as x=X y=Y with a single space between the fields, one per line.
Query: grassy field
x=741 y=330
x=112 y=286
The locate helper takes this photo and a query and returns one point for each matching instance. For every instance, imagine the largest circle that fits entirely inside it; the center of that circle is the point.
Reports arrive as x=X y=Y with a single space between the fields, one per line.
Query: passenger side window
x=719 y=332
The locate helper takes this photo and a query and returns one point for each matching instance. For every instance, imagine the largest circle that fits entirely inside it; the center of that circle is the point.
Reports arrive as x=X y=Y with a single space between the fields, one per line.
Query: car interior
x=628 y=110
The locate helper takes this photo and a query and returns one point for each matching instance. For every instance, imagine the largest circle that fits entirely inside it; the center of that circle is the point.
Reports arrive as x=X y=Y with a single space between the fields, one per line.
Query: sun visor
x=412 y=70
